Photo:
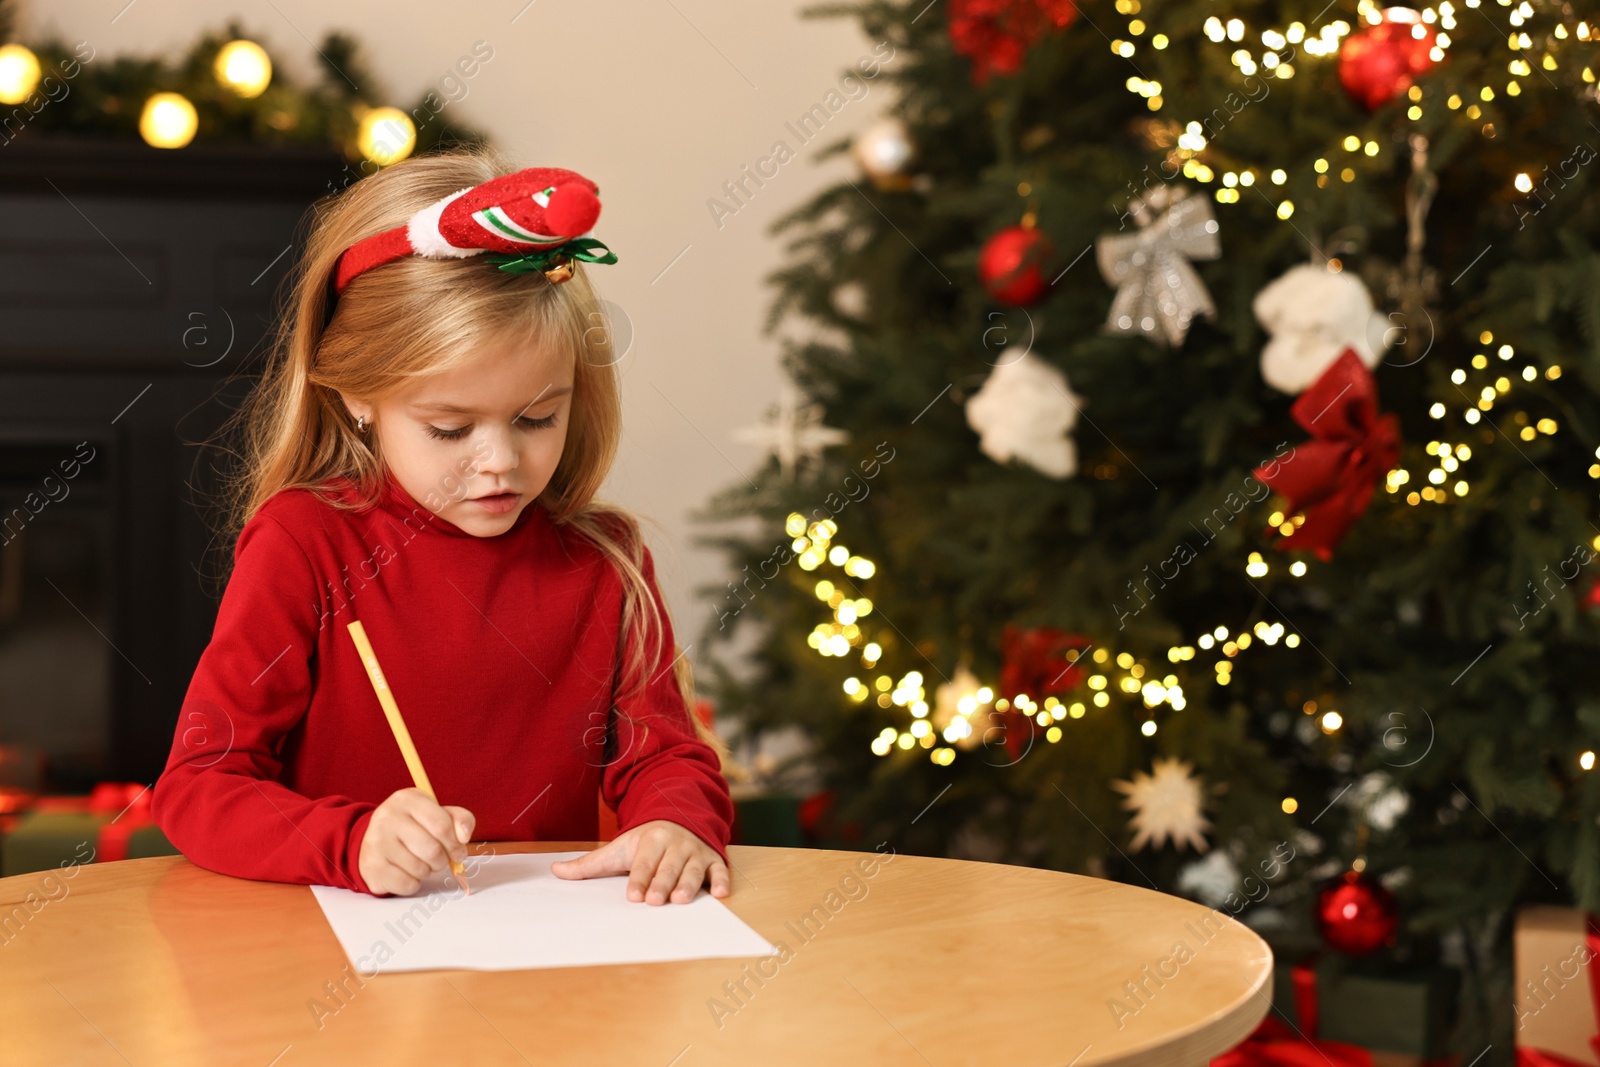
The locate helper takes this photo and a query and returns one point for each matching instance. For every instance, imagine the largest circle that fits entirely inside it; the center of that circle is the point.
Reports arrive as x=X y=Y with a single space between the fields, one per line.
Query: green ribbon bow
x=581 y=248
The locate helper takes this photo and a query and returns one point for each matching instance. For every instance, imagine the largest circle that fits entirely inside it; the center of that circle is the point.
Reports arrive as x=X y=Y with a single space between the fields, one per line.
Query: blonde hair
x=406 y=320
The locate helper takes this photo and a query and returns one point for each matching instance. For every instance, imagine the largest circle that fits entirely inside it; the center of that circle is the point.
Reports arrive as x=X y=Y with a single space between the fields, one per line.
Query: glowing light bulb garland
x=1105 y=671
x=814 y=546
x=1494 y=373
x=224 y=89
x=1327 y=41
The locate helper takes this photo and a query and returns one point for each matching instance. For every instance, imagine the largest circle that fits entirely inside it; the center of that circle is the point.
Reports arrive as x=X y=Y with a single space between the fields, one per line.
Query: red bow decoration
x=114 y=797
x=129 y=805
x=1331 y=477
x=997 y=34
x=1034 y=662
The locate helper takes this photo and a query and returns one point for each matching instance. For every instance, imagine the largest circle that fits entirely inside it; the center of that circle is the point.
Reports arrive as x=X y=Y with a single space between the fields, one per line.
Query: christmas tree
x=1213 y=495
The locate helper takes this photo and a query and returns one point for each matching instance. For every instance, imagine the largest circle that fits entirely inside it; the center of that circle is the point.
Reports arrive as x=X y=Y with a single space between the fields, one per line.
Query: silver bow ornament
x=1158 y=292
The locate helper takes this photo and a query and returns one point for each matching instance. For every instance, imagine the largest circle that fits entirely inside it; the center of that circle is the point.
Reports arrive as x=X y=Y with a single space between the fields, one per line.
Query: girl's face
x=478 y=443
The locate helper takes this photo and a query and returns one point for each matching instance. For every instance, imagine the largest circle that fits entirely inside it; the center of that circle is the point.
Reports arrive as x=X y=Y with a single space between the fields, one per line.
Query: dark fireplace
x=137 y=286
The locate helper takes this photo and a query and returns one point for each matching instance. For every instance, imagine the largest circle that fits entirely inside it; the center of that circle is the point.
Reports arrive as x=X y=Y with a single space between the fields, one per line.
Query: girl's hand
x=660 y=857
x=409 y=836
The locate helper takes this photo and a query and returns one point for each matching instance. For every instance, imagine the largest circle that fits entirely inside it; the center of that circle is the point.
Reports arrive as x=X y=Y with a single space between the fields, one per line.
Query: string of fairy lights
x=1325 y=42
x=1104 y=671
x=1493 y=385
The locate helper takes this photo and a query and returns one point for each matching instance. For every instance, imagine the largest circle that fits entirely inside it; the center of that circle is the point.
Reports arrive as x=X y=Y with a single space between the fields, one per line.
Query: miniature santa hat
x=539 y=218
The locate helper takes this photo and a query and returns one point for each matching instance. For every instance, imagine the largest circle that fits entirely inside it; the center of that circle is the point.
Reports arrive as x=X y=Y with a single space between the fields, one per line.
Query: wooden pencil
x=402 y=736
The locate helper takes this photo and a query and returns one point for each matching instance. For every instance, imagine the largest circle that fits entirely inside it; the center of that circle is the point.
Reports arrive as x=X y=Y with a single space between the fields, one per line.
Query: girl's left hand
x=660 y=857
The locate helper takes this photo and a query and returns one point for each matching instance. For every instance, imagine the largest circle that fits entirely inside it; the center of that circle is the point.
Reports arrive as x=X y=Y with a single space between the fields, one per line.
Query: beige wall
x=660 y=102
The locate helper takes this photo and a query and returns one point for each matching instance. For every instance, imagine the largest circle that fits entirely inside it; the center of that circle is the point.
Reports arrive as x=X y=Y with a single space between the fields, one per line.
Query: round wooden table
x=892 y=959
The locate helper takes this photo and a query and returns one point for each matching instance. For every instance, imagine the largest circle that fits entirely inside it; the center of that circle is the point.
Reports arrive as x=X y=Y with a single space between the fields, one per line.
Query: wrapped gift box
x=1330 y=1008
x=1398 y=1009
x=1556 y=995
x=41 y=840
x=766 y=819
x=111 y=823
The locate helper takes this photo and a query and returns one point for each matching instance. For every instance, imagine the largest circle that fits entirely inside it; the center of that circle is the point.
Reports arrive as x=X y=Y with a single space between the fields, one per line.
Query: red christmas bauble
x=1379 y=62
x=1356 y=914
x=1011 y=265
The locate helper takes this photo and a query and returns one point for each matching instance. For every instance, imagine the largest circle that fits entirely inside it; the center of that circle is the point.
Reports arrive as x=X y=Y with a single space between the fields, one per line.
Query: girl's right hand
x=409 y=836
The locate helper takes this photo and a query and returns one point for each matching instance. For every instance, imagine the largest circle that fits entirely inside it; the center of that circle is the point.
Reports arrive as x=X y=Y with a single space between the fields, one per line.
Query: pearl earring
x=361 y=423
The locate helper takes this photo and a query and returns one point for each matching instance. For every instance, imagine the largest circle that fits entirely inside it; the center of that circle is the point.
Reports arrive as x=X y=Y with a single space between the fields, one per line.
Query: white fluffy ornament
x=1165 y=805
x=1212 y=879
x=1025 y=411
x=1379 y=800
x=1313 y=314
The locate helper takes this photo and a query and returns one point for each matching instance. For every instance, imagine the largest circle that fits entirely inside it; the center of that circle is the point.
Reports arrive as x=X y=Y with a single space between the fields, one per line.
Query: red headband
x=538 y=218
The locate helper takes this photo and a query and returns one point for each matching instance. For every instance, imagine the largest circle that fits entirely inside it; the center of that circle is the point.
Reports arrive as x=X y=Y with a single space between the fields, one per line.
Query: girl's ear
x=357 y=408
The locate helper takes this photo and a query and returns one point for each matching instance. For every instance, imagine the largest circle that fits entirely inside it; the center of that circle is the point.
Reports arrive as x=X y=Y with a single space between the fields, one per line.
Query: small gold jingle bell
x=560 y=272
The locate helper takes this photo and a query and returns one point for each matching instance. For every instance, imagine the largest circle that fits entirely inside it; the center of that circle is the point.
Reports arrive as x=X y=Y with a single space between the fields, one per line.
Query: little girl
x=422 y=454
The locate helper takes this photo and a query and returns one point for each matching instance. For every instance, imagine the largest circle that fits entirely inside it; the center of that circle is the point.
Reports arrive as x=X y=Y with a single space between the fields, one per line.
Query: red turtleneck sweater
x=501 y=653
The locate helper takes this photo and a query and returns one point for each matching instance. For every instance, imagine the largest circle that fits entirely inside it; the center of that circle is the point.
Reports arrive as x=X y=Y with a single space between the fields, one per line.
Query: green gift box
x=150 y=841
x=1405 y=1008
x=42 y=840
x=771 y=819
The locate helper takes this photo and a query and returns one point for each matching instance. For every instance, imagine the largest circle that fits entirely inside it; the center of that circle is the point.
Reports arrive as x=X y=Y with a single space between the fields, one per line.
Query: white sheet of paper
x=520 y=916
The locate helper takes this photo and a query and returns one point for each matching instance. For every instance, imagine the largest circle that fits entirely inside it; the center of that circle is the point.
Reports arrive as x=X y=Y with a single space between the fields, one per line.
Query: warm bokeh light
x=168 y=121
x=19 y=74
x=243 y=68
x=387 y=136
